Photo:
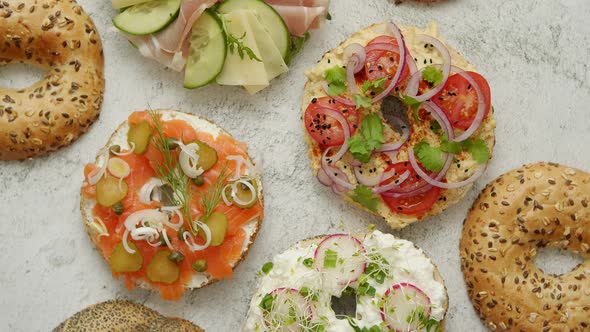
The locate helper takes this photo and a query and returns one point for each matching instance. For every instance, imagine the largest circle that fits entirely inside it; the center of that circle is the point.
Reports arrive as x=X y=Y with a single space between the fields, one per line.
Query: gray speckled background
x=533 y=52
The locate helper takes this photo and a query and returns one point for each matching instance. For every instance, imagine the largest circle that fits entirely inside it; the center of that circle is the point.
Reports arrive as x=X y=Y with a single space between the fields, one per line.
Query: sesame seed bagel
x=314 y=88
x=119 y=137
x=59 y=37
x=539 y=205
x=124 y=316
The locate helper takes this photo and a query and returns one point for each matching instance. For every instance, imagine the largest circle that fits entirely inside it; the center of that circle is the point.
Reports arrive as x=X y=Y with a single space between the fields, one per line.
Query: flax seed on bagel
x=59 y=37
x=539 y=205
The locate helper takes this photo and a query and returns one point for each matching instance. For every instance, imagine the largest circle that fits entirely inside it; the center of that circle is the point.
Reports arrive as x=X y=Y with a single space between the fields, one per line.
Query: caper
x=200 y=265
x=163 y=239
x=118 y=208
x=181 y=232
x=114 y=149
x=176 y=257
x=199 y=180
x=172 y=143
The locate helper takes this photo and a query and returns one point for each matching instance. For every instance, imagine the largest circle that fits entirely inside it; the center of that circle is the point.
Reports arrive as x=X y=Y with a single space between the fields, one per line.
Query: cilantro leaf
x=365 y=197
x=336 y=78
x=368 y=138
x=415 y=105
x=451 y=147
x=361 y=101
x=375 y=86
x=432 y=75
x=430 y=157
x=479 y=151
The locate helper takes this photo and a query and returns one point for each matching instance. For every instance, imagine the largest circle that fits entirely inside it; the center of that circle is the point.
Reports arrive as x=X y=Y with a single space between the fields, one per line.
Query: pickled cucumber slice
x=162 y=269
x=243 y=194
x=217 y=223
x=108 y=192
x=139 y=136
x=207 y=155
x=122 y=261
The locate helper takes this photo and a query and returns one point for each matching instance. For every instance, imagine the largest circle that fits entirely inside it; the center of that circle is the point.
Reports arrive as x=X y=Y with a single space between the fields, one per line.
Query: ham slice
x=301 y=15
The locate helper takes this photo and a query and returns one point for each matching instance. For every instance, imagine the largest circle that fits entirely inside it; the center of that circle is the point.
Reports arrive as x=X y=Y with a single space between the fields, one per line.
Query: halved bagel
x=119 y=137
x=124 y=316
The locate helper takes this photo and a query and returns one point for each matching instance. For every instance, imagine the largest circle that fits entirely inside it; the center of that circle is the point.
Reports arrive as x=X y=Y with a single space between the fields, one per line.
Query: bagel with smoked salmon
x=172 y=202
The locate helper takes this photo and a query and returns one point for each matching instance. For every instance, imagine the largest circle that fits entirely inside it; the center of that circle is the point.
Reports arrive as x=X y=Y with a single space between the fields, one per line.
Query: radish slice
x=288 y=311
x=401 y=303
x=341 y=259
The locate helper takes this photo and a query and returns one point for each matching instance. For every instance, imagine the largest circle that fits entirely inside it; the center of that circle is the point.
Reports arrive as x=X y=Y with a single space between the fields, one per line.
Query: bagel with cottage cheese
x=123 y=316
x=134 y=202
x=59 y=37
x=392 y=284
x=536 y=206
x=408 y=165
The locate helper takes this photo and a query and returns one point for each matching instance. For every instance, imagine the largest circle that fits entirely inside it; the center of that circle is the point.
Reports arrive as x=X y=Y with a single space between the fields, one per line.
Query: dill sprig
x=171 y=173
x=211 y=198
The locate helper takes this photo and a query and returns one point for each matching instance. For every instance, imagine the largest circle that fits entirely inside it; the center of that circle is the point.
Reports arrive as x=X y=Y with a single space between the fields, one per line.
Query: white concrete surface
x=533 y=52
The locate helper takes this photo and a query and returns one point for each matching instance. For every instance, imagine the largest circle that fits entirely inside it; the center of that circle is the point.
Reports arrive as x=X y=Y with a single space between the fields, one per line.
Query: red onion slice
x=411 y=63
x=440 y=117
x=336 y=175
x=345 y=128
x=400 y=68
x=414 y=83
x=436 y=182
x=350 y=263
x=393 y=184
x=481 y=109
x=356 y=61
x=400 y=303
x=390 y=147
x=382 y=47
x=423 y=186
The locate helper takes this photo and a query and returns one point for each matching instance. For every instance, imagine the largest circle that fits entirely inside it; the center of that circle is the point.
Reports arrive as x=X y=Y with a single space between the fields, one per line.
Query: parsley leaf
x=479 y=151
x=432 y=75
x=375 y=86
x=415 y=105
x=365 y=197
x=368 y=138
x=361 y=101
x=430 y=157
x=336 y=78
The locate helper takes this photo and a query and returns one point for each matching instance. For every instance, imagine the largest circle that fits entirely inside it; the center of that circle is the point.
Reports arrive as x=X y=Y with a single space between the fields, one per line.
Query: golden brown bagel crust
x=536 y=206
x=58 y=36
x=124 y=316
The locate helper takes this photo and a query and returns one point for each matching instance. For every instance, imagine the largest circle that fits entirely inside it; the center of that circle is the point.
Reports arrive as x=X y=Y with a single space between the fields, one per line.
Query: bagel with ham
x=401 y=165
x=172 y=202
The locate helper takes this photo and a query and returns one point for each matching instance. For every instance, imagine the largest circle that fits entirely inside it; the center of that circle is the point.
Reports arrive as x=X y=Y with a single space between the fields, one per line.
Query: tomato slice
x=459 y=100
x=416 y=205
x=323 y=128
x=379 y=64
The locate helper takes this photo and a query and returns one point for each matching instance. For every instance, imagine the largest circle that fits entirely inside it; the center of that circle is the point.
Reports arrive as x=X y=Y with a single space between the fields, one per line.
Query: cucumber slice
x=268 y=16
x=148 y=17
x=207 y=51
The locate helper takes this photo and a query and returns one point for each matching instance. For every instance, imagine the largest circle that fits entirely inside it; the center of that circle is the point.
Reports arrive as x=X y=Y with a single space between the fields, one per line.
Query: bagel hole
x=557 y=261
x=393 y=108
x=20 y=75
x=345 y=304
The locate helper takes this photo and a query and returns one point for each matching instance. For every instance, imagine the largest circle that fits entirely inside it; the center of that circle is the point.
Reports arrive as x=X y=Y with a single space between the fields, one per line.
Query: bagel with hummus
x=533 y=207
x=392 y=284
x=172 y=202
x=123 y=316
x=60 y=38
x=404 y=166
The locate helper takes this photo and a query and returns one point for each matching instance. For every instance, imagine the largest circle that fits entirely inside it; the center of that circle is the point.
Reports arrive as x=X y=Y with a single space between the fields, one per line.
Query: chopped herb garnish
x=368 y=138
x=308 y=262
x=430 y=157
x=336 y=78
x=415 y=105
x=432 y=75
x=365 y=197
x=375 y=86
x=330 y=259
x=361 y=101
x=267 y=267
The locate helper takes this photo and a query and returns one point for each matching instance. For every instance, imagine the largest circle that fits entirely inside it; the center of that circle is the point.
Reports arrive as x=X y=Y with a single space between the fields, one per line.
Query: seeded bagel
x=59 y=37
x=536 y=206
x=123 y=316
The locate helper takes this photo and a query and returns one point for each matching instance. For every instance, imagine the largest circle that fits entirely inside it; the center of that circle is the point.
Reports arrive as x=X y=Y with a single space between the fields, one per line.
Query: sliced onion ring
x=402 y=58
x=396 y=183
x=356 y=61
x=438 y=183
x=481 y=109
x=340 y=99
x=99 y=171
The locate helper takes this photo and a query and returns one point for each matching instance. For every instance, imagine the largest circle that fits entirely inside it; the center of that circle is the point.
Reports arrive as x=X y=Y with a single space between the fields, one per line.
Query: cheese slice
x=274 y=63
x=238 y=71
